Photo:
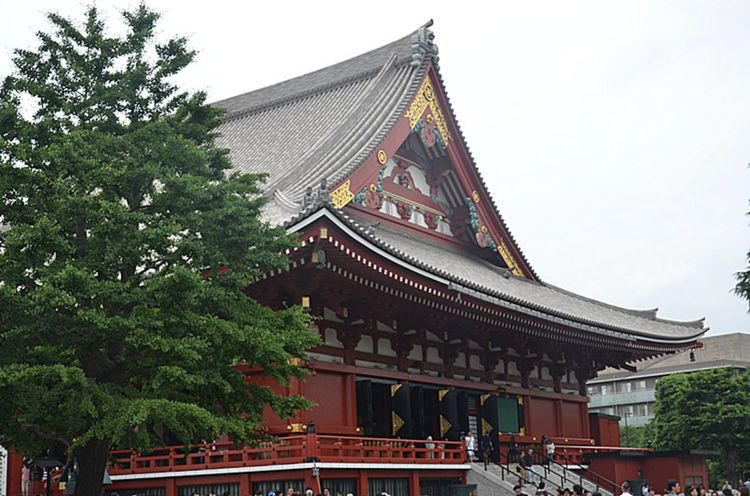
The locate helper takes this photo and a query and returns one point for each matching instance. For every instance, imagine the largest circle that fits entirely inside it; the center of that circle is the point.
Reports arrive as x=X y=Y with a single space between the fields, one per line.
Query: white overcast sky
x=614 y=136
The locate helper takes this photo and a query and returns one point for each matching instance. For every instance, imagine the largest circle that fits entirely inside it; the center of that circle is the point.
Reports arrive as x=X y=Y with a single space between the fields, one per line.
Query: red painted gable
x=430 y=126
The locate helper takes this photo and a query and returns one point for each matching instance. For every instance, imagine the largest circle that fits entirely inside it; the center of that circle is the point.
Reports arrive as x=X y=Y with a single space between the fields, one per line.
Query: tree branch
x=39 y=432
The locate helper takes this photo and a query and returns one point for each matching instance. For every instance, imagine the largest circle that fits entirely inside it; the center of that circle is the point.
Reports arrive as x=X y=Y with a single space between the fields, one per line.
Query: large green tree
x=125 y=247
x=637 y=436
x=707 y=409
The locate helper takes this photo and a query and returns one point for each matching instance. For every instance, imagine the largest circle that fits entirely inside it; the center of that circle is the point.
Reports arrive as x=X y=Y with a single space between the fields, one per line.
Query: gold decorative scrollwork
x=426 y=98
x=504 y=252
x=475 y=196
x=342 y=195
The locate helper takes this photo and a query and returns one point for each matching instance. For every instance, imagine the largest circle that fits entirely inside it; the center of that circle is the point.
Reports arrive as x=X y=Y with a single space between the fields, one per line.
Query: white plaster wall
x=433 y=356
x=419 y=178
x=324 y=358
x=331 y=338
x=475 y=363
x=460 y=360
x=365 y=345
x=513 y=368
x=416 y=352
x=546 y=374
x=385 y=348
x=329 y=314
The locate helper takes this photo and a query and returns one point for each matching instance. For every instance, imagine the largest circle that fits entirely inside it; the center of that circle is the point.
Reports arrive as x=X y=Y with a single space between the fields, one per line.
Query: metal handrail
x=548 y=483
x=599 y=478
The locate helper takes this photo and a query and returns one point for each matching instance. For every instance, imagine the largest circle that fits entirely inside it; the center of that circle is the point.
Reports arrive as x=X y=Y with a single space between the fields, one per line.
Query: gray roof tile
x=488 y=278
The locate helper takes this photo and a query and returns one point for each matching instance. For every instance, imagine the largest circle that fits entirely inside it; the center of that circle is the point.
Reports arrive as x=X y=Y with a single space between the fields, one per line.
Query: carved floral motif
x=424 y=99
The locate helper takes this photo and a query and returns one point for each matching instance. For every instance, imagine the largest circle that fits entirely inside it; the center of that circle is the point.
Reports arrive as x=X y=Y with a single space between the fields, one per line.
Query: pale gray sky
x=614 y=136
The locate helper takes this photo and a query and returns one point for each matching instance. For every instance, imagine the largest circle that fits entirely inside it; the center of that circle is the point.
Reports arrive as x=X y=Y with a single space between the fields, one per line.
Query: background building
x=3 y=471
x=631 y=395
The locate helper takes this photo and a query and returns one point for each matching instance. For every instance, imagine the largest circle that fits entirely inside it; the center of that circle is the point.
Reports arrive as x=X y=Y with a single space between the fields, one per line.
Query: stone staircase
x=566 y=478
x=490 y=482
x=497 y=481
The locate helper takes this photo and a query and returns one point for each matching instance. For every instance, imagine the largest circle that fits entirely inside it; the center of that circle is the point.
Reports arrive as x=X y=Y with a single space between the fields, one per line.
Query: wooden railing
x=379 y=450
x=287 y=450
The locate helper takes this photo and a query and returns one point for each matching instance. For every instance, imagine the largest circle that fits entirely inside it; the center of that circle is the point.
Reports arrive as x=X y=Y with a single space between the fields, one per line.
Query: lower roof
x=476 y=277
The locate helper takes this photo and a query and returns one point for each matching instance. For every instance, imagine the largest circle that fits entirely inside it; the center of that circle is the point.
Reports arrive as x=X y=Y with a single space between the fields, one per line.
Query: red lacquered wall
x=656 y=467
x=542 y=417
x=605 y=429
x=572 y=425
x=333 y=393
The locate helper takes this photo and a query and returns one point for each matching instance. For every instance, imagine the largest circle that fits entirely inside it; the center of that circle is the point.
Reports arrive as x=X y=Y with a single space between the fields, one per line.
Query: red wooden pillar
x=312 y=453
x=15 y=462
x=558 y=417
x=245 y=486
x=364 y=487
x=310 y=481
x=171 y=488
x=414 y=483
x=351 y=400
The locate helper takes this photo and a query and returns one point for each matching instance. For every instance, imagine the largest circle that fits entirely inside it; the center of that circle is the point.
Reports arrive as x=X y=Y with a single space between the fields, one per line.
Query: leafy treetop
x=125 y=249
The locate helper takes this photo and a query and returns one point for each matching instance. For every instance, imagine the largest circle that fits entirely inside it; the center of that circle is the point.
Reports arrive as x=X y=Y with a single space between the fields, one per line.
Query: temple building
x=432 y=320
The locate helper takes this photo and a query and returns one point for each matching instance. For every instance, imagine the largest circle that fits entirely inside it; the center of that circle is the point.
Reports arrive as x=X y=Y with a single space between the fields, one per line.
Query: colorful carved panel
x=484 y=238
x=426 y=117
x=403 y=190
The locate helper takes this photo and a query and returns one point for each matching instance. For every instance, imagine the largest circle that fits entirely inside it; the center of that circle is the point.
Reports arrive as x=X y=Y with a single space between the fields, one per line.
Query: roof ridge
x=334 y=75
x=231 y=116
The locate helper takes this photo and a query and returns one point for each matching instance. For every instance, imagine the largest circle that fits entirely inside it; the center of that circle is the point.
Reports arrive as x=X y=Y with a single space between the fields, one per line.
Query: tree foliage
x=707 y=409
x=125 y=249
x=637 y=436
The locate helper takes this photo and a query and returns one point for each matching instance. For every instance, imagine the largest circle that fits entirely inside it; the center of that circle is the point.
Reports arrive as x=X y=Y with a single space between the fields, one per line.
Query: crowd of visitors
x=290 y=491
x=673 y=488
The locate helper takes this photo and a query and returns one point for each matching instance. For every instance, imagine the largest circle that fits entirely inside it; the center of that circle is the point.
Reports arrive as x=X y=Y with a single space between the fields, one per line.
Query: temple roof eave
x=646 y=329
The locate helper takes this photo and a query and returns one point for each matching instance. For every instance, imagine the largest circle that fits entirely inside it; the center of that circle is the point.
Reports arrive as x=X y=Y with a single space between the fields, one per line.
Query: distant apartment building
x=631 y=395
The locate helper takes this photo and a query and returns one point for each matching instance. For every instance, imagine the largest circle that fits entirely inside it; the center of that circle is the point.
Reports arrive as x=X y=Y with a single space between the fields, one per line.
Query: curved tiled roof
x=490 y=279
x=323 y=125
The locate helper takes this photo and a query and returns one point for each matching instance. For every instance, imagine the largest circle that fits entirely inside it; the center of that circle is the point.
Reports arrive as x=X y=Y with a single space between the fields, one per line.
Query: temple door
x=489 y=411
x=402 y=423
x=418 y=412
x=364 y=407
x=448 y=406
x=462 y=407
x=511 y=415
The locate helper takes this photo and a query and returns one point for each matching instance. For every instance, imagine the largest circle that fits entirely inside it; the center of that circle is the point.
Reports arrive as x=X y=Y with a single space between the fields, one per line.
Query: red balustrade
x=286 y=450
x=379 y=450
